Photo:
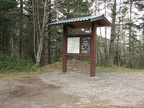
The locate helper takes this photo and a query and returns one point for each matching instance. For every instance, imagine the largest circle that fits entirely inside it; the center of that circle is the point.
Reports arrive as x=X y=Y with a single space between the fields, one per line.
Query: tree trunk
x=111 y=48
x=118 y=37
x=130 y=37
x=106 y=46
x=21 y=30
x=47 y=35
x=40 y=28
x=143 y=43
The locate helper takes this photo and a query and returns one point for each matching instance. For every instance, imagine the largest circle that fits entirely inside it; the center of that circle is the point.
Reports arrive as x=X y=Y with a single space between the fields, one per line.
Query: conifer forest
x=26 y=40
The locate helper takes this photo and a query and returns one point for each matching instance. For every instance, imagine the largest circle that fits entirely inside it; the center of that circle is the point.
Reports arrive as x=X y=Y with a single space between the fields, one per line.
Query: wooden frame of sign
x=81 y=45
x=85 y=46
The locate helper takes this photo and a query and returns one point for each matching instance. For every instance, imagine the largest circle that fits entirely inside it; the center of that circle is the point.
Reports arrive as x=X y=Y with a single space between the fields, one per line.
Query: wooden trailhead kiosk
x=81 y=44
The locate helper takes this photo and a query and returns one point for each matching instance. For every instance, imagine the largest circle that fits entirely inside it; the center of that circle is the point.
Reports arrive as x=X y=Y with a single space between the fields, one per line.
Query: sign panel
x=73 y=45
x=85 y=47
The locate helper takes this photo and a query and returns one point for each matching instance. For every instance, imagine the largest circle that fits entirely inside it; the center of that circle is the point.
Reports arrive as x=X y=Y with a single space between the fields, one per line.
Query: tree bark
x=40 y=28
x=143 y=43
x=47 y=36
x=111 y=48
x=130 y=36
x=21 y=30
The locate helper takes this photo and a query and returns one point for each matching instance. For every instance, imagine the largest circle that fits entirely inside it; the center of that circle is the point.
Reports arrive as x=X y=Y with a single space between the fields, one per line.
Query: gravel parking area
x=116 y=89
x=74 y=89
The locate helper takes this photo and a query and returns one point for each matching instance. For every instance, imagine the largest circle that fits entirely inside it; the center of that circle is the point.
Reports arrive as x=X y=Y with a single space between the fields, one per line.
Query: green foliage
x=65 y=9
x=45 y=69
x=8 y=28
x=5 y=5
x=13 y=63
x=117 y=69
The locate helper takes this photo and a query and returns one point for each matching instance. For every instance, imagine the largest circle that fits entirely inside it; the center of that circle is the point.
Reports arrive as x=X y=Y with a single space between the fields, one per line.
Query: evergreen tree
x=7 y=24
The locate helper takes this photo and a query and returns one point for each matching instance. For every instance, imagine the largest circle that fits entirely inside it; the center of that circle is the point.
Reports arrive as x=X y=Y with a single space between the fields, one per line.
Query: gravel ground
x=120 y=89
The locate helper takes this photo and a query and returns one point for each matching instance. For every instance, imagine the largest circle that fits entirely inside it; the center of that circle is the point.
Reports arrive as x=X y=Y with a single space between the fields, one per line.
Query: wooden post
x=64 y=48
x=93 y=50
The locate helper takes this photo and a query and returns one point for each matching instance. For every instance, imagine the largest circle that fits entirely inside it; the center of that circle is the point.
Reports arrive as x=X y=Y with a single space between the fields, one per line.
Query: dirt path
x=73 y=90
x=31 y=92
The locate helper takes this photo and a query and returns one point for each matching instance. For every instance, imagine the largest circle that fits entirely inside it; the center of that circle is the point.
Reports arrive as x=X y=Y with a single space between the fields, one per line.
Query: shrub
x=14 y=63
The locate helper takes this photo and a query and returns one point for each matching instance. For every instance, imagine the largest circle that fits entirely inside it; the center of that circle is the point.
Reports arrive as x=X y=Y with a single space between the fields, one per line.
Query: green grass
x=13 y=74
x=117 y=69
x=52 y=67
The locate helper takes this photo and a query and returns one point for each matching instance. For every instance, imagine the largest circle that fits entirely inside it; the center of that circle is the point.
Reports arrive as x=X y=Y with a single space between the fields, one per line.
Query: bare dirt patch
x=31 y=92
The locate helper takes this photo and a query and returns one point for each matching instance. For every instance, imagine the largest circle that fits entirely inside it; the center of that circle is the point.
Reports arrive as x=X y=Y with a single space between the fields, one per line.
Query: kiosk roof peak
x=83 y=22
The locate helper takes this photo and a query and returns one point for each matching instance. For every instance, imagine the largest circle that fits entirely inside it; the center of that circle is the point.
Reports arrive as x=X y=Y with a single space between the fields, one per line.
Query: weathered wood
x=93 y=50
x=64 y=48
x=79 y=35
x=101 y=23
x=85 y=22
x=79 y=55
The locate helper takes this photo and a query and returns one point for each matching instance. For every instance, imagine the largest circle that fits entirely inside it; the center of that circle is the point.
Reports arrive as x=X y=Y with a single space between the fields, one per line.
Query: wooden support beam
x=93 y=50
x=72 y=26
x=64 y=48
x=80 y=35
x=78 y=55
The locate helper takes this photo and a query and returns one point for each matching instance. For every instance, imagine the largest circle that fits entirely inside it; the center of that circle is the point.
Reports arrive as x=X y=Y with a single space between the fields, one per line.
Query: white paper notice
x=73 y=45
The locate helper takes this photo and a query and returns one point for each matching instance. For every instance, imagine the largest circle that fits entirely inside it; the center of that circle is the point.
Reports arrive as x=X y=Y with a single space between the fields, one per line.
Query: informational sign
x=73 y=45
x=85 y=48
